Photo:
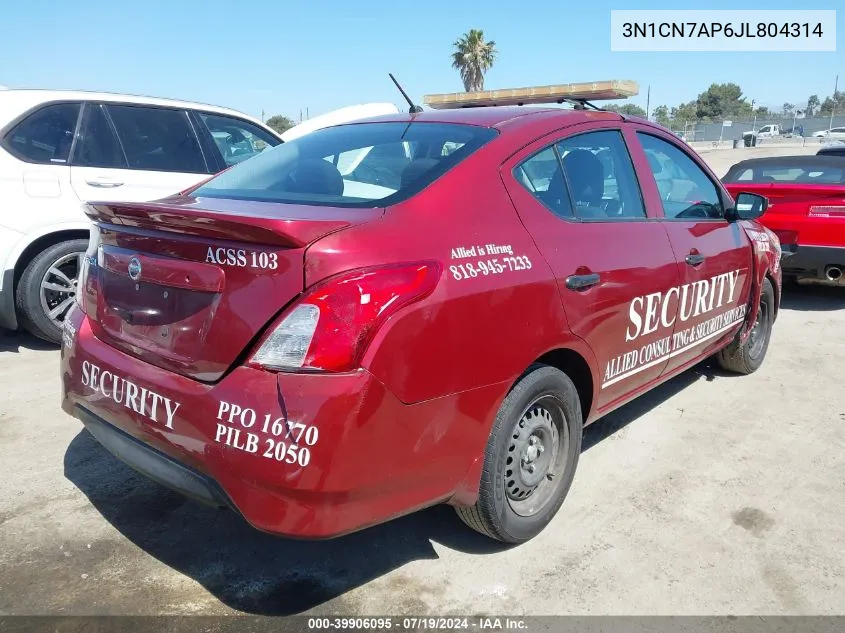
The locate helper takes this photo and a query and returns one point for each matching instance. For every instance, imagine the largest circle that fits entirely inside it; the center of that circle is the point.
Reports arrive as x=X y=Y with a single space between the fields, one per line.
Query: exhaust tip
x=833 y=273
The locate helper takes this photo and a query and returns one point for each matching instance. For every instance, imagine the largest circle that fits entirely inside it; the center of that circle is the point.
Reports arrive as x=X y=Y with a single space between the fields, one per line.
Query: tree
x=788 y=109
x=280 y=123
x=661 y=115
x=721 y=101
x=832 y=102
x=684 y=113
x=628 y=108
x=473 y=57
x=812 y=105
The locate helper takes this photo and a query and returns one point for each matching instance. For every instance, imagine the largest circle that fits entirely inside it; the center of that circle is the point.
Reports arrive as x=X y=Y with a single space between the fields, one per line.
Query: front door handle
x=694 y=260
x=581 y=282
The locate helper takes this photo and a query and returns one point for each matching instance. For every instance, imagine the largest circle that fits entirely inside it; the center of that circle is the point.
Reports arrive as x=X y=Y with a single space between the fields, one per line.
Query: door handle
x=581 y=282
x=694 y=260
x=104 y=183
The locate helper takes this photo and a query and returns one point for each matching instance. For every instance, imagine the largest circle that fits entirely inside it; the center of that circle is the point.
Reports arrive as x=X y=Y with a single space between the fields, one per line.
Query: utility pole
x=647 y=101
x=263 y=120
x=833 y=98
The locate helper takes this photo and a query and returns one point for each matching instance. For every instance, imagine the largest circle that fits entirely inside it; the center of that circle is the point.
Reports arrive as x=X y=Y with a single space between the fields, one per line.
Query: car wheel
x=47 y=288
x=746 y=358
x=530 y=458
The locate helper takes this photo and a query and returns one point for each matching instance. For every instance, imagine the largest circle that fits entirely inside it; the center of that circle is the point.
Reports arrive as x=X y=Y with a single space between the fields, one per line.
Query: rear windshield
x=358 y=165
x=788 y=173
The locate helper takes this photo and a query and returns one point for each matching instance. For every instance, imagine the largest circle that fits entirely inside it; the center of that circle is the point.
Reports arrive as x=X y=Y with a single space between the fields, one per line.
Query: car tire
x=511 y=507
x=33 y=299
x=748 y=357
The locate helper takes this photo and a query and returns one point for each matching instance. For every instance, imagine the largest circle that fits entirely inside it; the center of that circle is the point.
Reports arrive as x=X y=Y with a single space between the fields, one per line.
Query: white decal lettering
x=635 y=318
x=126 y=393
x=241 y=258
x=485 y=266
x=86 y=376
x=171 y=411
x=652 y=302
x=663 y=320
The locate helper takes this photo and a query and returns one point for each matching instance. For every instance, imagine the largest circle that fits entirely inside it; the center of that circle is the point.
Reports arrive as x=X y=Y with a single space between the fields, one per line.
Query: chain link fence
x=714 y=132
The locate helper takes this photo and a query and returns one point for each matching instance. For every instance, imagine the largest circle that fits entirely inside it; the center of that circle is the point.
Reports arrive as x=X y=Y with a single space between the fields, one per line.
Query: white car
x=832 y=133
x=59 y=149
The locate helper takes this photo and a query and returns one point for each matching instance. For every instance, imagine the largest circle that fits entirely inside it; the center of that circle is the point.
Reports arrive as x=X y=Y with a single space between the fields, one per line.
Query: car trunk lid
x=186 y=284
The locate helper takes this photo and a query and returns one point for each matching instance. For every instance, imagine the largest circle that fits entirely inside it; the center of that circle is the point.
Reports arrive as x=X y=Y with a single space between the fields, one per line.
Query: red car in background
x=416 y=309
x=806 y=210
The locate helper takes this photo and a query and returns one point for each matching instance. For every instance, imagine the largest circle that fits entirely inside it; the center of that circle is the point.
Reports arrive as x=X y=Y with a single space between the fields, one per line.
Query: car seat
x=585 y=175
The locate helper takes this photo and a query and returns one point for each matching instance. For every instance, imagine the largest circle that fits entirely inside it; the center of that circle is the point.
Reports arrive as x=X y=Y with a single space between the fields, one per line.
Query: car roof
x=499 y=117
x=16 y=101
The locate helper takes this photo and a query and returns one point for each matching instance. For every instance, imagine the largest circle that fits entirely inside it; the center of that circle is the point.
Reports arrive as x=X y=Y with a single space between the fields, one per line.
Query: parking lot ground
x=714 y=494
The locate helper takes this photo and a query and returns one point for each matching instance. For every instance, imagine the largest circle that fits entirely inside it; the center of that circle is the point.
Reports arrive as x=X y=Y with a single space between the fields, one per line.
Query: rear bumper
x=152 y=463
x=811 y=261
x=302 y=455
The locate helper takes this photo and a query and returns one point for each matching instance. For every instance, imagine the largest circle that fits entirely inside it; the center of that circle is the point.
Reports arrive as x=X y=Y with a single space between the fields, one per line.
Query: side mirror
x=749 y=206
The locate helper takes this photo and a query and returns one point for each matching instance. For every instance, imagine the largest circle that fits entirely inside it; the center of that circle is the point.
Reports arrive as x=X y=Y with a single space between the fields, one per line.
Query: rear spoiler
x=229 y=224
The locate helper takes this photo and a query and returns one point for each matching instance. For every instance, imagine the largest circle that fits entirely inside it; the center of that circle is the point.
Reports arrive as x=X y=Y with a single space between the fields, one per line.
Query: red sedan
x=806 y=210
x=411 y=310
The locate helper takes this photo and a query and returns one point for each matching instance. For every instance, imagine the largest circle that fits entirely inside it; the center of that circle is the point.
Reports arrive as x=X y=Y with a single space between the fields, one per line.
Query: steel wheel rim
x=757 y=338
x=58 y=287
x=540 y=439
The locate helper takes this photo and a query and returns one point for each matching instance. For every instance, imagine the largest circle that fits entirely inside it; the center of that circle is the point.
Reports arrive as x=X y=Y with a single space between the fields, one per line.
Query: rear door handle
x=581 y=282
x=694 y=260
x=104 y=183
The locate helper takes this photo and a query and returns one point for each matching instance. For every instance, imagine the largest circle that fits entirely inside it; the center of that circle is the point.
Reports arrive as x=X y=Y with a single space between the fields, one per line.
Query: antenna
x=414 y=108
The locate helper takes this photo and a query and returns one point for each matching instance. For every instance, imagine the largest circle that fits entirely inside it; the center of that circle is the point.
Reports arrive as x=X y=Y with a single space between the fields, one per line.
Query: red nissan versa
x=421 y=308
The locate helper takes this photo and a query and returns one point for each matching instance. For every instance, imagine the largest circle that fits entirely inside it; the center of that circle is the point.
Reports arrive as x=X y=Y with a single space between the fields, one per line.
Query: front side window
x=601 y=177
x=237 y=140
x=354 y=165
x=157 y=139
x=45 y=136
x=686 y=191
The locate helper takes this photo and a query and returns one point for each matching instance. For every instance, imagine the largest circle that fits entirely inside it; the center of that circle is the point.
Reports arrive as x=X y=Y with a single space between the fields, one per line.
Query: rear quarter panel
x=470 y=332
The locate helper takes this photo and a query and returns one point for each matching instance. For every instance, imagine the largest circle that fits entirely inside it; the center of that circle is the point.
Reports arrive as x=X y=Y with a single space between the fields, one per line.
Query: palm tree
x=473 y=57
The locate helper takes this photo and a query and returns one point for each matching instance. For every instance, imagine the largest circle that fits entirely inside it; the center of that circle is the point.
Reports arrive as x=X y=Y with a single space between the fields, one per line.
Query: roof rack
x=580 y=94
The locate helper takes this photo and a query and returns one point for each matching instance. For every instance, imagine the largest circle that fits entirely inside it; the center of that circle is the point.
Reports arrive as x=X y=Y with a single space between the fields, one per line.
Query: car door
x=34 y=175
x=135 y=153
x=580 y=199
x=714 y=255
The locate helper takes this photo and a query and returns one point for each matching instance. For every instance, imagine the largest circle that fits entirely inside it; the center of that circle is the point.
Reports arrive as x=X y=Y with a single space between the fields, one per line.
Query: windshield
x=789 y=172
x=359 y=165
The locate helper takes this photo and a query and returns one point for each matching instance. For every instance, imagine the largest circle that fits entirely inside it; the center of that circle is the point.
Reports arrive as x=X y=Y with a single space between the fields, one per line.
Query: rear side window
x=45 y=136
x=355 y=165
x=237 y=140
x=97 y=145
x=157 y=139
x=542 y=176
x=601 y=176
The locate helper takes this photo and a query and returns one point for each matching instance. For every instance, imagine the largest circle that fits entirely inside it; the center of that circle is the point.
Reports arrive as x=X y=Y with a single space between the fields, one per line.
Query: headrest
x=416 y=169
x=585 y=174
x=316 y=176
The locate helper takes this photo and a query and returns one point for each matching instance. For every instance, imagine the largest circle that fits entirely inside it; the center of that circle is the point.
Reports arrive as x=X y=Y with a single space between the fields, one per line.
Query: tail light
x=93 y=257
x=827 y=211
x=330 y=327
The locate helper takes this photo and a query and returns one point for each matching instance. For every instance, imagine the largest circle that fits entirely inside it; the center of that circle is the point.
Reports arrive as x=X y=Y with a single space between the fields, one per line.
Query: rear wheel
x=47 y=288
x=530 y=459
x=746 y=358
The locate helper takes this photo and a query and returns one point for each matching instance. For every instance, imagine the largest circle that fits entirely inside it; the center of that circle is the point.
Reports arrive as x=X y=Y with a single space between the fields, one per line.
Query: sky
x=284 y=57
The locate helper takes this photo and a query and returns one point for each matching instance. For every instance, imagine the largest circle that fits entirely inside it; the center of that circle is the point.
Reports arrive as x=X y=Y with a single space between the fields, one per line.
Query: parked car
x=806 y=210
x=59 y=149
x=837 y=148
x=323 y=359
x=832 y=133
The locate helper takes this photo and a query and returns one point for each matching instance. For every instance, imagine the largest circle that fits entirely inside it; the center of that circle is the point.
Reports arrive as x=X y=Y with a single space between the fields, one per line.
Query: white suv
x=59 y=149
